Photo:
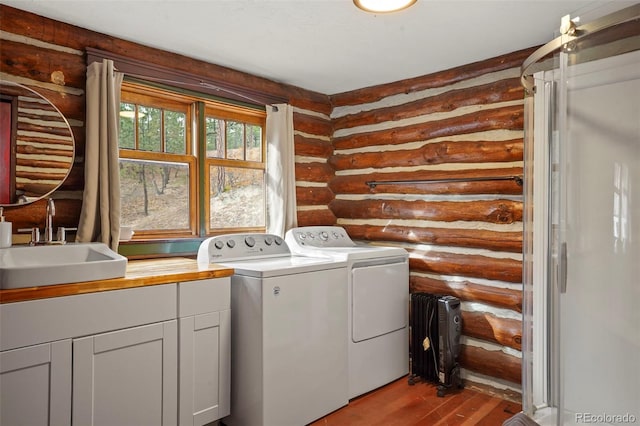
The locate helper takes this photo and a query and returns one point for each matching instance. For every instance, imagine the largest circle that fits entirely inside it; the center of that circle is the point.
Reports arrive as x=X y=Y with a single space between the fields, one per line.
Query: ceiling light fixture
x=383 y=6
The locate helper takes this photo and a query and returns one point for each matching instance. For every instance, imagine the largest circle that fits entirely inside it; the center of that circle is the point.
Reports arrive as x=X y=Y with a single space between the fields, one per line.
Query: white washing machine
x=288 y=330
x=378 y=303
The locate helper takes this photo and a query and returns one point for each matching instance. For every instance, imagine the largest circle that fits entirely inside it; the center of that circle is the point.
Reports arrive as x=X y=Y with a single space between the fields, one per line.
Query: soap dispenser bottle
x=6 y=231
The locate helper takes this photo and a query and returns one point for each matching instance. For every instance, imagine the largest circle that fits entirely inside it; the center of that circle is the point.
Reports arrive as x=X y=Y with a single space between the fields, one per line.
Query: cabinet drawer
x=45 y=320
x=202 y=296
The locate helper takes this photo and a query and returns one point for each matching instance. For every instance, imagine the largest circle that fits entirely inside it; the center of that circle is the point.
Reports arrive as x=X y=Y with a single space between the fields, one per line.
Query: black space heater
x=436 y=326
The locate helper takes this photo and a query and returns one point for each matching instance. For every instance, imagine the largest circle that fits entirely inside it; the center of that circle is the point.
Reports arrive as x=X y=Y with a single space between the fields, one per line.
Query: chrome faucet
x=48 y=229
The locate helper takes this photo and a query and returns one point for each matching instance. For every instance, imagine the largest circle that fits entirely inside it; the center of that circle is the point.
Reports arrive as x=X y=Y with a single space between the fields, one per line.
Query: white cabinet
x=126 y=377
x=156 y=355
x=35 y=385
x=205 y=352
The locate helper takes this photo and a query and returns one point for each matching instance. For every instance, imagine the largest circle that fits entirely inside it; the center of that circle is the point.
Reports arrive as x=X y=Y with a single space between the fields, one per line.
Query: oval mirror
x=36 y=145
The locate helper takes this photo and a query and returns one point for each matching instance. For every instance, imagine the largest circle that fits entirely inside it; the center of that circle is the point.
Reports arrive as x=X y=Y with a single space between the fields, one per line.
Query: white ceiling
x=328 y=46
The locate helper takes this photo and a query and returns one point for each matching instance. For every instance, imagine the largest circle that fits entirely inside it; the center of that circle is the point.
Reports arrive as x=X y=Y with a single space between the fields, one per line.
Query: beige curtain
x=100 y=215
x=281 y=178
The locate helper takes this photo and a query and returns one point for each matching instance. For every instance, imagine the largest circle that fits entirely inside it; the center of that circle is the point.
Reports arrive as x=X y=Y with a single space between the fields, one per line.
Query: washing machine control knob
x=231 y=243
x=324 y=236
x=336 y=235
x=218 y=244
x=268 y=241
x=279 y=241
x=250 y=241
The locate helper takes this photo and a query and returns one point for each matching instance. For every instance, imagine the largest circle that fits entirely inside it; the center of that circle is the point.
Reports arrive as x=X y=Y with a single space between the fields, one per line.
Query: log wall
x=313 y=149
x=49 y=57
x=464 y=238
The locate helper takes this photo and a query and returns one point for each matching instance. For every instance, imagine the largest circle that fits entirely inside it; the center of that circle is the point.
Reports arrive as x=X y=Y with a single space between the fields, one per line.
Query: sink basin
x=31 y=266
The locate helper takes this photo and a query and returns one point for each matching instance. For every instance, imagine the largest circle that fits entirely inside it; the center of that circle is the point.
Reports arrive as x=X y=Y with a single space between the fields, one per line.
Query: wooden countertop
x=139 y=273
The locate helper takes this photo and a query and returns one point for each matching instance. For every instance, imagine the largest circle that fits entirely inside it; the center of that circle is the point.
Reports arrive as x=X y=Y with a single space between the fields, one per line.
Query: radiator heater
x=436 y=325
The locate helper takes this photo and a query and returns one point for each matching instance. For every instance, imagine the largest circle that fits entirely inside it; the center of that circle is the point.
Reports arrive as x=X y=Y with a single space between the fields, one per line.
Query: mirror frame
x=24 y=200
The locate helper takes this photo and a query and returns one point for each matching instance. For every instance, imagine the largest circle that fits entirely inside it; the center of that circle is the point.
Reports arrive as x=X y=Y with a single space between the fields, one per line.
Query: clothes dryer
x=378 y=303
x=288 y=330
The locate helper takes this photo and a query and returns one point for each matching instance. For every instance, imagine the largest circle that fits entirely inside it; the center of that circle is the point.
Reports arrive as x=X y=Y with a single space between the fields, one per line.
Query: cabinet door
x=35 y=385
x=127 y=377
x=205 y=368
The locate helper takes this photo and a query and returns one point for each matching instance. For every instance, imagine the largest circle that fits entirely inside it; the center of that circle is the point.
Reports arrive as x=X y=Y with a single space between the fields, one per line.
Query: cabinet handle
x=562 y=272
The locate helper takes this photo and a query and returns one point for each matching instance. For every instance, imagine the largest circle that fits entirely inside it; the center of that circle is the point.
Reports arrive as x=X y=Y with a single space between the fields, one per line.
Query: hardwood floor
x=398 y=404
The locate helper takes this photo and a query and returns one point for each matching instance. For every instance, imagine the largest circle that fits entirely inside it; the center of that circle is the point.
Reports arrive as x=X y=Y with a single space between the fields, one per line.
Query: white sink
x=31 y=266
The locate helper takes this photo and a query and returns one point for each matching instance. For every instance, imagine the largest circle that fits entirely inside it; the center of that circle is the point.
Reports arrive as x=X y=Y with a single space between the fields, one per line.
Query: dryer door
x=379 y=299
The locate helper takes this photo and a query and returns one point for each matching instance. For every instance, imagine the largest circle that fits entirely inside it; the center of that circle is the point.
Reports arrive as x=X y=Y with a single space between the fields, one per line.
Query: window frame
x=139 y=94
x=231 y=113
x=200 y=106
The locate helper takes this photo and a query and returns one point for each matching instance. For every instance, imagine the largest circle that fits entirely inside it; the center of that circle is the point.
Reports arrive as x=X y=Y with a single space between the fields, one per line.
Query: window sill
x=148 y=249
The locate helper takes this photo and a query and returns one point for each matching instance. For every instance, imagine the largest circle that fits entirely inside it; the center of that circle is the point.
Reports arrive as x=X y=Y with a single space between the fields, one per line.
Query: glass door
x=595 y=236
x=581 y=334
x=598 y=246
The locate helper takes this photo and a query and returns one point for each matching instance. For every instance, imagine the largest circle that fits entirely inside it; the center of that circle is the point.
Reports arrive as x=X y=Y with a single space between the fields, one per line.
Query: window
x=234 y=169
x=161 y=157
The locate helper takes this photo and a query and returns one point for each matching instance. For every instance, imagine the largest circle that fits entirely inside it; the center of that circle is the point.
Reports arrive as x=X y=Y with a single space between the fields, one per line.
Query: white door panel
x=380 y=300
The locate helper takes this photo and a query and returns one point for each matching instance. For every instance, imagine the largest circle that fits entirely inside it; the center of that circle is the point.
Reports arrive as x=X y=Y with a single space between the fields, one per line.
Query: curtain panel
x=281 y=179
x=100 y=215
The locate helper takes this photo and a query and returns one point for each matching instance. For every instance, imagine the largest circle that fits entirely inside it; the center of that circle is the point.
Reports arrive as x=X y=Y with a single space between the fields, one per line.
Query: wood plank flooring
x=399 y=404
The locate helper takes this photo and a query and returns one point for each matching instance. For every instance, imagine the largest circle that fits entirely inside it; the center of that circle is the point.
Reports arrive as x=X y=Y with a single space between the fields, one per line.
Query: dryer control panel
x=241 y=247
x=319 y=236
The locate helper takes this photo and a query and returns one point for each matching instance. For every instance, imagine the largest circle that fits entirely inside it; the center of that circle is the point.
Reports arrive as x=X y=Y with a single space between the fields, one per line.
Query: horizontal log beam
x=27 y=141
x=313 y=195
x=314 y=172
x=310 y=147
x=471 y=238
x=47 y=132
x=438 y=79
x=469 y=292
x=36 y=176
x=494 y=92
x=493 y=211
x=49 y=151
x=486 y=326
x=357 y=184
x=41 y=164
x=465 y=265
x=491 y=363
x=316 y=217
x=312 y=125
x=311 y=101
x=434 y=153
x=23 y=58
x=504 y=118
